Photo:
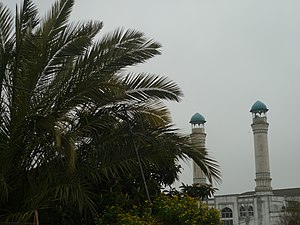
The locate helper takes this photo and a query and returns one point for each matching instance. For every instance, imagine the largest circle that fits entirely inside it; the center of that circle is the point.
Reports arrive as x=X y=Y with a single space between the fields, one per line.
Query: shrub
x=165 y=210
x=184 y=210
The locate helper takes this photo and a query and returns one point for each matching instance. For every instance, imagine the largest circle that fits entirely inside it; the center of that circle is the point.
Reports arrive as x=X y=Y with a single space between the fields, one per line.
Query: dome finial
x=197 y=118
x=259 y=107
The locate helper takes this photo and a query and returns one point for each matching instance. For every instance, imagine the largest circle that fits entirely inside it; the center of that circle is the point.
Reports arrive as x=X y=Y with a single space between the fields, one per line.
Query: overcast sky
x=224 y=55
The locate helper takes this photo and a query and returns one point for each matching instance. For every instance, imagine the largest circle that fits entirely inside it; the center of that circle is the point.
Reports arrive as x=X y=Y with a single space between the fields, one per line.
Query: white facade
x=250 y=208
x=264 y=205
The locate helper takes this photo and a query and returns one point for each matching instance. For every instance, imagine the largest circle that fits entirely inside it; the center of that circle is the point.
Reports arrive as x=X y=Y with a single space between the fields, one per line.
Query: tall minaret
x=198 y=139
x=260 y=134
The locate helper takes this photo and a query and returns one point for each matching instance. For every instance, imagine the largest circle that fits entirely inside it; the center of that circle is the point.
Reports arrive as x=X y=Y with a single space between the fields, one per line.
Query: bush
x=136 y=216
x=166 y=210
x=184 y=210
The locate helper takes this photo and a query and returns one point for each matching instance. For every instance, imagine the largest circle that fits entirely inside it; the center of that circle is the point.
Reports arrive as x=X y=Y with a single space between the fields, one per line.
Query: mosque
x=261 y=206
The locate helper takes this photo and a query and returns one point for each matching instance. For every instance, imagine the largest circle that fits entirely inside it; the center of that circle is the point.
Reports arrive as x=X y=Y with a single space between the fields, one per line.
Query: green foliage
x=291 y=215
x=117 y=215
x=166 y=210
x=198 y=191
x=184 y=210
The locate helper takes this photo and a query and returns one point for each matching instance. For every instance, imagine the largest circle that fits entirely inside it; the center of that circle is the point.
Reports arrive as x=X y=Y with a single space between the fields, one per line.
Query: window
x=226 y=213
x=228 y=222
x=242 y=211
x=250 y=211
x=227 y=216
x=291 y=204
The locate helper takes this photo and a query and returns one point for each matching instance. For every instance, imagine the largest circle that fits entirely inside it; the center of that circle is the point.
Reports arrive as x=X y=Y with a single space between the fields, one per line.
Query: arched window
x=242 y=211
x=226 y=213
x=227 y=216
x=250 y=211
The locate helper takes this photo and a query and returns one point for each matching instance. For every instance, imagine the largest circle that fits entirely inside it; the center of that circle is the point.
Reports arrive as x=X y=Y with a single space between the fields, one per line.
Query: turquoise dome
x=197 y=118
x=259 y=107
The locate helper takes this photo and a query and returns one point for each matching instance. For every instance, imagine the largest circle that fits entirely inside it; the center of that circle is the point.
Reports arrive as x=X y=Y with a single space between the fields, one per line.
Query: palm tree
x=66 y=103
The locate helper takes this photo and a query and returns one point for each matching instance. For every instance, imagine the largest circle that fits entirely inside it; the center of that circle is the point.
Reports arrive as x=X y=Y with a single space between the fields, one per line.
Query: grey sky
x=224 y=55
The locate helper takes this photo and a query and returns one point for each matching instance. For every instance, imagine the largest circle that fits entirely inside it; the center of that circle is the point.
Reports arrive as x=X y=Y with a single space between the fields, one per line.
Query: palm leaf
x=6 y=28
x=26 y=21
x=73 y=41
x=208 y=165
x=143 y=86
x=56 y=20
x=6 y=25
x=121 y=49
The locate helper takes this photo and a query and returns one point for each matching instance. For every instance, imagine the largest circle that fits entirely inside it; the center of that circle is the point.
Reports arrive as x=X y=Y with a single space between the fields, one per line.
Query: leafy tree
x=291 y=216
x=72 y=116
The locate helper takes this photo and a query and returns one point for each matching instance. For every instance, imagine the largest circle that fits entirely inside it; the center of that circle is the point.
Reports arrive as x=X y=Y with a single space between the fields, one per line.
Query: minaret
x=198 y=139
x=260 y=135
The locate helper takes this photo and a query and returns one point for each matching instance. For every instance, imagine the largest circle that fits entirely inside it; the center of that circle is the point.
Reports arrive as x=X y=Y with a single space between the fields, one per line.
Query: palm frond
x=56 y=20
x=6 y=26
x=148 y=111
x=208 y=165
x=20 y=217
x=71 y=43
x=120 y=49
x=26 y=20
x=4 y=187
x=74 y=192
x=6 y=43
x=143 y=86
x=66 y=52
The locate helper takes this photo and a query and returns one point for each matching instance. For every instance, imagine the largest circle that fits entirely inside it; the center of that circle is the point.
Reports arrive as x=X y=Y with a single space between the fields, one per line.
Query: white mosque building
x=262 y=206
